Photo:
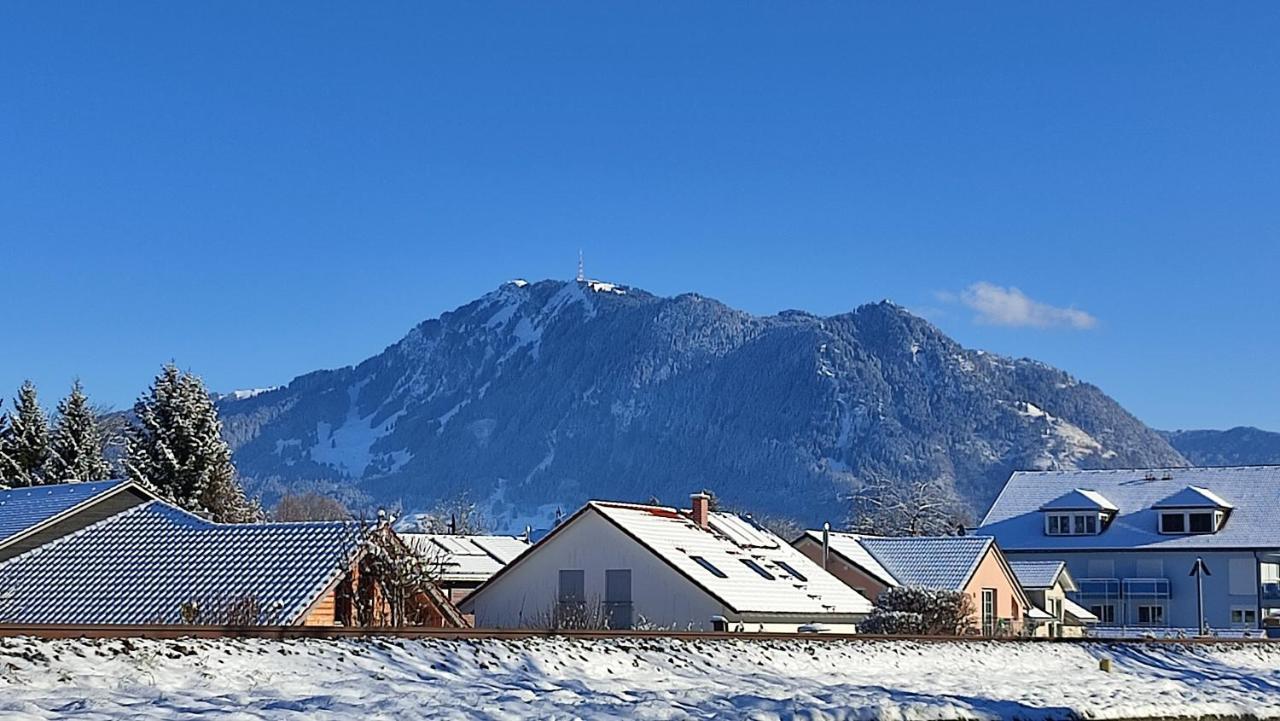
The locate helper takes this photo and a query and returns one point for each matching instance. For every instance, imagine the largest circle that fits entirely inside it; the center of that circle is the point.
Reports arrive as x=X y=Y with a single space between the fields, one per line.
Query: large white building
x=1131 y=538
x=627 y=565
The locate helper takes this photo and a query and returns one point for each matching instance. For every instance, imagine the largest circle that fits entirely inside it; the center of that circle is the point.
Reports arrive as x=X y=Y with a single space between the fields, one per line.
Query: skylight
x=757 y=568
x=709 y=566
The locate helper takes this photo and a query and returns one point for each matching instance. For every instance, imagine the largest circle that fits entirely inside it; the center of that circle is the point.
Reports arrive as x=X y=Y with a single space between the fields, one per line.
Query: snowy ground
x=636 y=678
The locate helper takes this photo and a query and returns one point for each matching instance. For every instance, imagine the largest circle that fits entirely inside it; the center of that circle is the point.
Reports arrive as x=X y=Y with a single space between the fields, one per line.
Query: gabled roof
x=1015 y=521
x=669 y=534
x=1040 y=574
x=941 y=562
x=846 y=545
x=23 y=510
x=1193 y=497
x=466 y=558
x=1080 y=499
x=1077 y=612
x=142 y=565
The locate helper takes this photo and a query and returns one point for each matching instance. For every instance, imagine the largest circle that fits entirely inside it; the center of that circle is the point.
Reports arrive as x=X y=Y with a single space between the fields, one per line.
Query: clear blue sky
x=257 y=190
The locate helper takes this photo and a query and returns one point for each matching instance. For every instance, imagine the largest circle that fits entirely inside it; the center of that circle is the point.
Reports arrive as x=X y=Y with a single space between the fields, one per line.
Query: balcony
x=1271 y=592
x=1129 y=588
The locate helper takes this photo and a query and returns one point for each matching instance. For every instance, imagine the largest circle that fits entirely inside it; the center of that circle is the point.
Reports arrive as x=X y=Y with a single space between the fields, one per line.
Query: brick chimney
x=701 y=508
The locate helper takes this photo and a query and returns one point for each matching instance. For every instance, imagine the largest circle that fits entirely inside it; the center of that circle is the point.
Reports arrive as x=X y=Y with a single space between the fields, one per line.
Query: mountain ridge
x=538 y=395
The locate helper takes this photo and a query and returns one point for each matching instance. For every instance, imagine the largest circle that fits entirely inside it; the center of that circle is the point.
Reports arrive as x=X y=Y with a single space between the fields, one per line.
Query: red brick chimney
x=701 y=509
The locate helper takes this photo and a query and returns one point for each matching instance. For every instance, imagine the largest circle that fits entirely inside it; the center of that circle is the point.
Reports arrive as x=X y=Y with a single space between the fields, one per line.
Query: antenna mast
x=582 y=276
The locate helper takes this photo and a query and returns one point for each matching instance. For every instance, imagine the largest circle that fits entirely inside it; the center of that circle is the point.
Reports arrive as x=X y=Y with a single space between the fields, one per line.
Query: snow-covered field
x=631 y=678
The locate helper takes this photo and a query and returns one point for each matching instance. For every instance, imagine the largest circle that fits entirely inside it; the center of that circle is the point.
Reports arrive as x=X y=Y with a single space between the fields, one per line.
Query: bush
x=915 y=611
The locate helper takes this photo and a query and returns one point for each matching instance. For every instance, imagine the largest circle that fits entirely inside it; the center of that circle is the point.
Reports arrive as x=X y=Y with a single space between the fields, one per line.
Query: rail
x=70 y=631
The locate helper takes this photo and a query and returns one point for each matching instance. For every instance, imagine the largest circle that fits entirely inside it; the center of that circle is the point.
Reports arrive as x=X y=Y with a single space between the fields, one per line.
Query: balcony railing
x=1114 y=588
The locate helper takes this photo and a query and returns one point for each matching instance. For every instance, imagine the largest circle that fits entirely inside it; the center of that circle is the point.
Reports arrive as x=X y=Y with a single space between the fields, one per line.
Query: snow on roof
x=1038 y=614
x=732 y=545
x=942 y=562
x=466 y=557
x=1080 y=499
x=142 y=565
x=1015 y=521
x=847 y=546
x=1078 y=612
x=1193 y=497
x=22 y=509
x=1037 y=574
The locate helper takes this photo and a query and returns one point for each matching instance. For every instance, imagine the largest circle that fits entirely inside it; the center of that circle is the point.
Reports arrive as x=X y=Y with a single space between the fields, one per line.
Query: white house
x=1131 y=539
x=661 y=567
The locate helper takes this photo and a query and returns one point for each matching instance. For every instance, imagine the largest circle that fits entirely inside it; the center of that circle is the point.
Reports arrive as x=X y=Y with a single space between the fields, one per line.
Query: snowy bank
x=630 y=678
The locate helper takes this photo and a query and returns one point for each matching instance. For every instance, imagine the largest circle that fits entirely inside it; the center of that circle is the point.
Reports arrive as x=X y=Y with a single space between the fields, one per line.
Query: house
x=463 y=562
x=1047 y=584
x=974 y=565
x=1131 y=538
x=622 y=565
x=153 y=563
x=32 y=516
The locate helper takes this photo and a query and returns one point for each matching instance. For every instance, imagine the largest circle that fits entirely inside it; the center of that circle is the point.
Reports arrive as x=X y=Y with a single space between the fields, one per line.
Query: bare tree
x=884 y=507
x=395 y=584
x=453 y=515
x=310 y=506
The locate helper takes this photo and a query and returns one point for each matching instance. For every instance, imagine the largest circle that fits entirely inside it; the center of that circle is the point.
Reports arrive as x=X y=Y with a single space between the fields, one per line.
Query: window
x=1106 y=612
x=617 y=598
x=1200 y=522
x=1190 y=521
x=791 y=571
x=757 y=568
x=572 y=587
x=709 y=566
x=1072 y=524
x=1150 y=615
x=1244 y=616
x=988 y=611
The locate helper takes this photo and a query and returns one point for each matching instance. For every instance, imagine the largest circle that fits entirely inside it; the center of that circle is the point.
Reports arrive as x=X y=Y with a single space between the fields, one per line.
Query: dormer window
x=1192 y=511
x=1081 y=512
x=1071 y=524
x=1191 y=521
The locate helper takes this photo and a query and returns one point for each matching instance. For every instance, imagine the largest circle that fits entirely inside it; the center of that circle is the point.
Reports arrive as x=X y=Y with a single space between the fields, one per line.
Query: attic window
x=757 y=568
x=1071 y=524
x=709 y=566
x=1194 y=522
x=791 y=571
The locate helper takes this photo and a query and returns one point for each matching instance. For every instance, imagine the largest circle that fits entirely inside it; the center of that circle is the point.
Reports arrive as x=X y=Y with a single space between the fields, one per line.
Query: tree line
x=173 y=446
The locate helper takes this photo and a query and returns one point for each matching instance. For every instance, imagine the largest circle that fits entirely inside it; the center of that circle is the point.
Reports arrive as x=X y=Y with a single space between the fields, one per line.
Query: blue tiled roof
x=24 y=508
x=142 y=565
x=1252 y=491
x=1037 y=574
x=942 y=562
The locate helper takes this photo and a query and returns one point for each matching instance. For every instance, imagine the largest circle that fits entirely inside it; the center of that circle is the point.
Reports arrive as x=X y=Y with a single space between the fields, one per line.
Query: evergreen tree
x=24 y=446
x=4 y=458
x=76 y=442
x=177 y=448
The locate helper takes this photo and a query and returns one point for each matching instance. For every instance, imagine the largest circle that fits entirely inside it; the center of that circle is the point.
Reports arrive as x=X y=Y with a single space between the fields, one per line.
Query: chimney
x=701 y=508
x=826 y=544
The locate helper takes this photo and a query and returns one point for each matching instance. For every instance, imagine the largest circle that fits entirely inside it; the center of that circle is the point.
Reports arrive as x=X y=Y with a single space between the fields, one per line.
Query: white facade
x=527 y=593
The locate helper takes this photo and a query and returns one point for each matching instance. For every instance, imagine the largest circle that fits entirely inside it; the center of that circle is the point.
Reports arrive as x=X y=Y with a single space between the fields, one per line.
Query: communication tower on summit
x=582 y=276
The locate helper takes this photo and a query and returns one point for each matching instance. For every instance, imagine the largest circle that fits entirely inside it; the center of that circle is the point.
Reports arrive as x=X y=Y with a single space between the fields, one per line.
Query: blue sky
x=259 y=190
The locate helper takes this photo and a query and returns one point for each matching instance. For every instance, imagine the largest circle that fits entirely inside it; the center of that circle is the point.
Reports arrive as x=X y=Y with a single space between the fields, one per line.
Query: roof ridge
x=59 y=541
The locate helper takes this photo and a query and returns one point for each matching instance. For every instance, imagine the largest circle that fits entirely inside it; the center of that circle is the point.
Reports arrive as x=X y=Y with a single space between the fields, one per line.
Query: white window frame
x=1104 y=610
x=1137 y=614
x=1244 y=617
x=1059 y=523
x=1215 y=521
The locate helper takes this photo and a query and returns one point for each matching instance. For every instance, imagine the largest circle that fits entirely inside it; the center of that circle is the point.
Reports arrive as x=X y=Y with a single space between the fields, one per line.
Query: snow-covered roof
x=1038 y=574
x=847 y=546
x=1080 y=499
x=142 y=565
x=1037 y=614
x=1193 y=497
x=22 y=509
x=1078 y=612
x=942 y=562
x=1015 y=521
x=466 y=557
x=731 y=545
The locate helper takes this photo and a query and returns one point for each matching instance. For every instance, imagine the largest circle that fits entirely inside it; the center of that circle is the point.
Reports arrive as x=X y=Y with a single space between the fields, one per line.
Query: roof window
x=711 y=567
x=757 y=568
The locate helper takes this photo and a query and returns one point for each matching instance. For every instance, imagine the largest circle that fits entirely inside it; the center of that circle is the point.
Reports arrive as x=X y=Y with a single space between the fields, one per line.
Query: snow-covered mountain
x=540 y=395
x=1239 y=446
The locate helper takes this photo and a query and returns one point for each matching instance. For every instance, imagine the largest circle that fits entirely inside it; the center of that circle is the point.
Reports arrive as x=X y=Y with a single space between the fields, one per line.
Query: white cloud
x=997 y=305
